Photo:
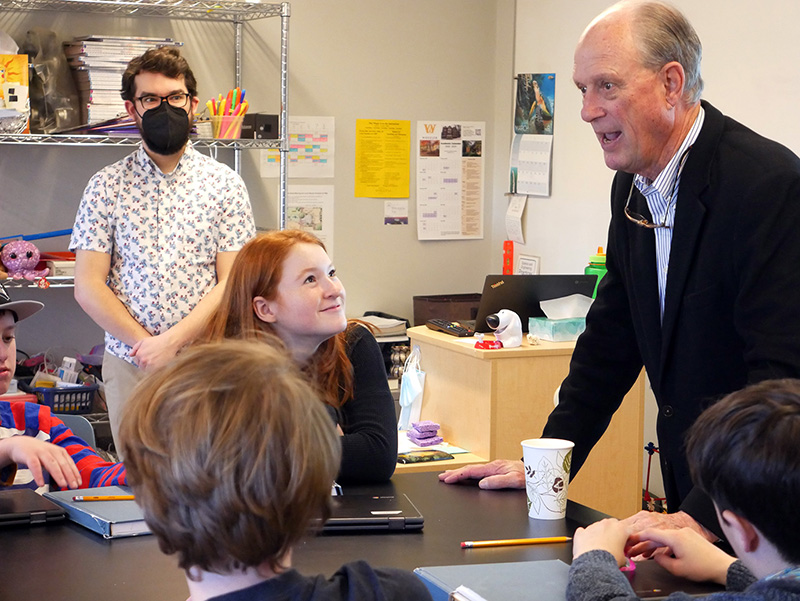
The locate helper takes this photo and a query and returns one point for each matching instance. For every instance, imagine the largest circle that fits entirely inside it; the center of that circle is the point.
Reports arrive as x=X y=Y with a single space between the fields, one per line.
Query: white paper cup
x=547 y=463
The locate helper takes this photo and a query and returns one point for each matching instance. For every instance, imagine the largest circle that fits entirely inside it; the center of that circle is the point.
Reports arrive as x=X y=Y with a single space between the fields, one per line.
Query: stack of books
x=110 y=511
x=383 y=327
x=97 y=64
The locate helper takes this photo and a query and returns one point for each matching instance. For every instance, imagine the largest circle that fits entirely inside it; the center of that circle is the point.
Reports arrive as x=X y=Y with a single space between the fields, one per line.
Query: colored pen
x=228 y=100
x=474 y=544
x=106 y=498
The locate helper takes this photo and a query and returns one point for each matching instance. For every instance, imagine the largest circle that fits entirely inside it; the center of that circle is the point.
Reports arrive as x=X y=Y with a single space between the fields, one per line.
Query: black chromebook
x=26 y=506
x=373 y=512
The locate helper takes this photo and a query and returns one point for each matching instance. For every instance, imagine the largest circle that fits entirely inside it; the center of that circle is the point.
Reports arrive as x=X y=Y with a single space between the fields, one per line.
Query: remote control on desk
x=449 y=327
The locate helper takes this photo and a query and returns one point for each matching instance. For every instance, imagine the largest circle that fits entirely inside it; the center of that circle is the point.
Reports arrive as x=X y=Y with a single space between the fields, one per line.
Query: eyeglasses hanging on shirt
x=642 y=221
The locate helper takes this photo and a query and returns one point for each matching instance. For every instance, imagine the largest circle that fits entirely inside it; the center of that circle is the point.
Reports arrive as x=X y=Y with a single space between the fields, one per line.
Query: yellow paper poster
x=383 y=161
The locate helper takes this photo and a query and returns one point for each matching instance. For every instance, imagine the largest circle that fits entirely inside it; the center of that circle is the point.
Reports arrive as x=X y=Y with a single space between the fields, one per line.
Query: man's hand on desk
x=661 y=521
x=500 y=473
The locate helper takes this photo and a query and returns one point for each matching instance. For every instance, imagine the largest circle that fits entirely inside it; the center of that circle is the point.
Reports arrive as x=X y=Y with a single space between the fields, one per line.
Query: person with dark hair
x=36 y=449
x=283 y=289
x=702 y=286
x=743 y=453
x=156 y=233
x=231 y=456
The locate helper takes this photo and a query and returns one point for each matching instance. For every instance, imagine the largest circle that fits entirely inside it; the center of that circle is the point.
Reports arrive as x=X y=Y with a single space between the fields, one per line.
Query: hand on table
x=694 y=558
x=661 y=521
x=39 y=455
x=607 y=535
x=500 y=473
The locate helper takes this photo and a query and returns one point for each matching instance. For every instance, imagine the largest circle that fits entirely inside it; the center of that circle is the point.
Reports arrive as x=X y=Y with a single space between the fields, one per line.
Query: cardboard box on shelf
x=65 y=269
x=14 y=93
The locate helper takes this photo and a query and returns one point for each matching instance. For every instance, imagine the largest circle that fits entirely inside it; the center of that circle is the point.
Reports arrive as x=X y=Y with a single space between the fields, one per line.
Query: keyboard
x=453 y=328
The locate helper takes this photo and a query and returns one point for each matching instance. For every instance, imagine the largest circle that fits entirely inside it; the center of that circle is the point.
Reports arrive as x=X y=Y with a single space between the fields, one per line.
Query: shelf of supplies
x=232 y=11
x=214 y=10
x=84 y=140
x=54 y=281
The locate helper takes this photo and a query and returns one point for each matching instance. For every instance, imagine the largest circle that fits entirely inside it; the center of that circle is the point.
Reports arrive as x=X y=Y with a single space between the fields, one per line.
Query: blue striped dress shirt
x=661 y=195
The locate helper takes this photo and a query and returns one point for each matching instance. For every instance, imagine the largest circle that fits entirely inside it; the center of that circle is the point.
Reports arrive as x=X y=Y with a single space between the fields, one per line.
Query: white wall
x=401 y=60
x=750 y=71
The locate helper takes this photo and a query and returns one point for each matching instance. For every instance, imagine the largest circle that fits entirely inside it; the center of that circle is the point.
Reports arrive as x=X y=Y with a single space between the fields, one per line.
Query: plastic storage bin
x=63 y=400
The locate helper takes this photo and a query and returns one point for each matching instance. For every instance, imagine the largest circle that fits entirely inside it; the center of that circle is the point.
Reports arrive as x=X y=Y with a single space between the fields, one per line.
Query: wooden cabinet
x=488 y=401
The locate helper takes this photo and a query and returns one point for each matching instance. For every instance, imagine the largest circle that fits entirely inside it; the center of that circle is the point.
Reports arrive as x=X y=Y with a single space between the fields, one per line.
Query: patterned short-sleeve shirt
x=163 y=232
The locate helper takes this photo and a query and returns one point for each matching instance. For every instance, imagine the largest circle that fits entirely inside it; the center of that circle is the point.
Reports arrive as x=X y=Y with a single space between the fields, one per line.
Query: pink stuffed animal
x=20 y=258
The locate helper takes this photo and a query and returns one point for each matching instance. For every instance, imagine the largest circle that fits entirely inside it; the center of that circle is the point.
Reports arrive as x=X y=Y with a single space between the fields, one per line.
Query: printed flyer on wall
x=450 y=170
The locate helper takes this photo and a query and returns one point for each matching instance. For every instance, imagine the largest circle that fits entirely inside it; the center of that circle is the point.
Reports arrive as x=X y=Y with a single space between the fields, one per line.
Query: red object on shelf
x=488 y=345
x=508 y=257
x=58 y=256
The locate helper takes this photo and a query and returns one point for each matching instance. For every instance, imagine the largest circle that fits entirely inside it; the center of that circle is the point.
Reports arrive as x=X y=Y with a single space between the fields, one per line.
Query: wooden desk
x=488 y=401
x=67 y=561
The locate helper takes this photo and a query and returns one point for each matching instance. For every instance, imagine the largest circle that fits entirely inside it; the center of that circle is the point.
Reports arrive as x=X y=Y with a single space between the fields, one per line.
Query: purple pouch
x=425 y=426
x=426 y=442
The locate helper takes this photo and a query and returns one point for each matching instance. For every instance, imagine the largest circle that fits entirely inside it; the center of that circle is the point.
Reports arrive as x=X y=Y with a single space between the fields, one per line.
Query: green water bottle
x=597 y=266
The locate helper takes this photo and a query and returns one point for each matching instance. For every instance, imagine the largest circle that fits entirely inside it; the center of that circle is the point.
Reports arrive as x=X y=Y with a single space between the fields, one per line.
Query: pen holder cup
x=227 y=127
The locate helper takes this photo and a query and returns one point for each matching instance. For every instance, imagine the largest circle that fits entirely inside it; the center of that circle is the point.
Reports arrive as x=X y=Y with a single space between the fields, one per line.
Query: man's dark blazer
x=732 y=305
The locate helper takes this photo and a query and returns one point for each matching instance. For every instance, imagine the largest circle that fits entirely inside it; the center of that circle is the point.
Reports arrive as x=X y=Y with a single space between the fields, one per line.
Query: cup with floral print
x=547 y=463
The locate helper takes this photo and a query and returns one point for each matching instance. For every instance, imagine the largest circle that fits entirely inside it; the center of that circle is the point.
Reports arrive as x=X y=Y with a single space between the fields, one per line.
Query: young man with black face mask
x=157 y=232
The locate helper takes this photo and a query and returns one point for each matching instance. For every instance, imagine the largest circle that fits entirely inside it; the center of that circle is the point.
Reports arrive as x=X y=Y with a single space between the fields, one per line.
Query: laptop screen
x=522 y=294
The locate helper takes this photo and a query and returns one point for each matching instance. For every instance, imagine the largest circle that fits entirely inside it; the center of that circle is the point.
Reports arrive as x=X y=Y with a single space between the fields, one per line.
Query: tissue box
x=556 y=330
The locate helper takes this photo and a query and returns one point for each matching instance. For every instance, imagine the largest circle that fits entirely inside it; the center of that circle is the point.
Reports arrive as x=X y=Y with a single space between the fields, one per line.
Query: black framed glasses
x=641 y=220
x=152 y=101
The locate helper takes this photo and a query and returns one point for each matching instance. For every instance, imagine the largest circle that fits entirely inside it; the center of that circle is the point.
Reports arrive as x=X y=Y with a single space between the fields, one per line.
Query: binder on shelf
x=510 y=581
x=111 y=519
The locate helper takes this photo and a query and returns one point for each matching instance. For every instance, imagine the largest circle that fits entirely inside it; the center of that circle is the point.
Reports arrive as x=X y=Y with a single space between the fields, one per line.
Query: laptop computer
x=373 y=512
x=26 y=506
x=522 y=294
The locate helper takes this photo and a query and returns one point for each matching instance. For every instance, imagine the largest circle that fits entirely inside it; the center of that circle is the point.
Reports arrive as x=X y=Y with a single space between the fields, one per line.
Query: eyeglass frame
x=163 y=100
x=641 y=220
